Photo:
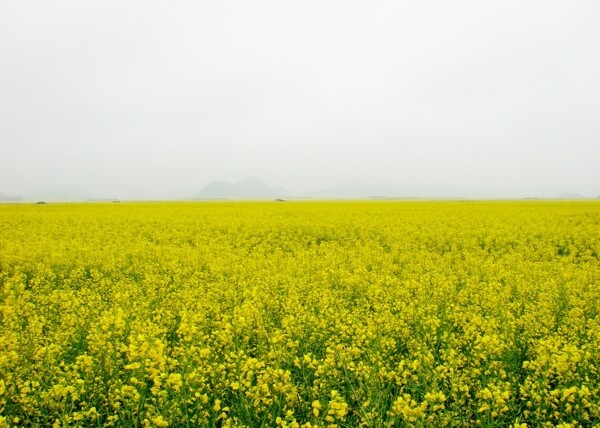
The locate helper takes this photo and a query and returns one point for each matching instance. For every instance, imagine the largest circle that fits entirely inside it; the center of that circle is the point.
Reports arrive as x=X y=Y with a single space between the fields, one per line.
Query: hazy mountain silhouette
x=58 y=193
x=249 y=188
x=353 y=188
x=570 y=195
x=9 y=198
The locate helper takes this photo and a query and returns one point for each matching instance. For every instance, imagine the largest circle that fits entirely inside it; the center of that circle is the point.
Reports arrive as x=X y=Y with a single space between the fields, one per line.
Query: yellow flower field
x=300 y=314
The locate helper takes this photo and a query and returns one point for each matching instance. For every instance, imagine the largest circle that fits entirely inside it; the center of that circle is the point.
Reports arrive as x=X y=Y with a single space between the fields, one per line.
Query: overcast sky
x=156 y=99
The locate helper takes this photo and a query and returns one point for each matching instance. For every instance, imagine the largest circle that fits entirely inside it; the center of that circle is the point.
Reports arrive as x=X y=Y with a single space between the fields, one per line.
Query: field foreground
x=294 y=314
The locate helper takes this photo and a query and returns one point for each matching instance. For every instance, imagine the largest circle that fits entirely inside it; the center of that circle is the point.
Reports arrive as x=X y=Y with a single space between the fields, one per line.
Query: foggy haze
x=152 y=100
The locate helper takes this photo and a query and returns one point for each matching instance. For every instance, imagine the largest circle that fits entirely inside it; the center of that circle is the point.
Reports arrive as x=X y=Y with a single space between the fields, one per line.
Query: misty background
x=157 y=100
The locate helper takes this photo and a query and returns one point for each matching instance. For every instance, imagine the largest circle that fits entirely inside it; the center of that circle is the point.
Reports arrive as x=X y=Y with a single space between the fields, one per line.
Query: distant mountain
x=570 y=195
x=249 y=188
x=9 y=198
x=353 y=188
x=58 y=193
x=216 y=190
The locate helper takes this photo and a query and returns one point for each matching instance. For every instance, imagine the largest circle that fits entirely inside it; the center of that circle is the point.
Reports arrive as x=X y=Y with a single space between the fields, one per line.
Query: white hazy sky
x=157 y=98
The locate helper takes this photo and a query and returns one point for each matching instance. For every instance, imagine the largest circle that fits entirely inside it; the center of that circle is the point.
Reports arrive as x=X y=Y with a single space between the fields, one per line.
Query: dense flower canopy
x=300 y=314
